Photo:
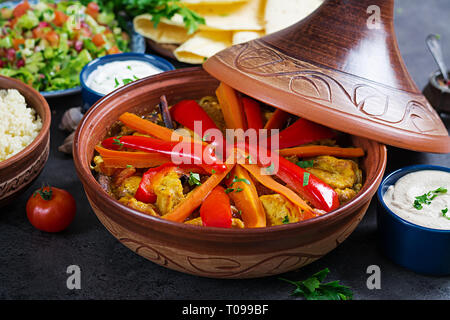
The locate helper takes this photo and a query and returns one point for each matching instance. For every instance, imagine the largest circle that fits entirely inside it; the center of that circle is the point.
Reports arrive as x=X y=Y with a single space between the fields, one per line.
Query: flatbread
x=247 y=15
x=163 y=33
x=203 y=45
x=206 y=2
x=282 y=14
x=244 y=36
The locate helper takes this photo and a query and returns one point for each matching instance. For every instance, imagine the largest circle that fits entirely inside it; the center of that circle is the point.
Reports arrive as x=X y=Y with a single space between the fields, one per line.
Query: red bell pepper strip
x=311 y=188
x=252 y=112
x=187 y=152
x=145 y=192
x=216 y=210
x=300 y=132
x=320 y=194
x=187 y=112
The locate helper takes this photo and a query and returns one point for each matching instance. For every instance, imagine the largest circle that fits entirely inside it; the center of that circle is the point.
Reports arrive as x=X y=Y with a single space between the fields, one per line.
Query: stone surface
x=33 y=264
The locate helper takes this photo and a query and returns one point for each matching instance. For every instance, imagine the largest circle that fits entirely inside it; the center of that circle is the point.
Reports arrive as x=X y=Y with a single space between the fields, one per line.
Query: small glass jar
x=438 y=93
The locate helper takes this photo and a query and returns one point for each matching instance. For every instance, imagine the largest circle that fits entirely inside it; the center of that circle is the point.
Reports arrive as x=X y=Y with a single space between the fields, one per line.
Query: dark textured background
x=33 y=264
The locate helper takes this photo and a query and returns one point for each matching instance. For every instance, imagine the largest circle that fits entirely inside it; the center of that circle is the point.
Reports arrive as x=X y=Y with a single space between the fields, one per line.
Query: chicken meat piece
x=279 y=210
x=343 y=175
x=128 y=187
x=337 y=173
x=131 y=202
x=235 y=222
x=169 y=192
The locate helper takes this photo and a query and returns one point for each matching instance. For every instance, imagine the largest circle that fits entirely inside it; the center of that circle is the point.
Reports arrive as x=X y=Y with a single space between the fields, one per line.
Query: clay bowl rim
x=45 y=118
x=87 y=177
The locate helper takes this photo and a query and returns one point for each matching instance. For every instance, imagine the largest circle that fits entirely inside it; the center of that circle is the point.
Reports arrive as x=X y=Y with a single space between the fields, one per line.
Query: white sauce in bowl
x=110 y=76
x=432 y=207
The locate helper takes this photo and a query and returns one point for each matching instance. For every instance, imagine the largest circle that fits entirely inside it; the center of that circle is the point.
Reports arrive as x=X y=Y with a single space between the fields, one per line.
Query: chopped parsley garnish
x=116 y=82
x=228 y=190
x=135 y=78
x=238 y=189
x=236 y=179
x=306 y=179
x=427 y=197
x=127 y=81
x=444 y=213
x=205 y=137
x=313 y=288
x=129 y=67
x=305 y=164
x=129 y=166
x=270 y=169
x=213 y=171
x=117 y=142
x=285 y=220
x=194 y=179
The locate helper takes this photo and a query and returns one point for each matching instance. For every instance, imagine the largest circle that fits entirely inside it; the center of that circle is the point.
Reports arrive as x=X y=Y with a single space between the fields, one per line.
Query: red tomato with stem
x=51 y=209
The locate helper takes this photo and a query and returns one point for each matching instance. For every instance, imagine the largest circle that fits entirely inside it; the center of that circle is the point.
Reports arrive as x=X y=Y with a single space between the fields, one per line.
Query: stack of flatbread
x=228 y=22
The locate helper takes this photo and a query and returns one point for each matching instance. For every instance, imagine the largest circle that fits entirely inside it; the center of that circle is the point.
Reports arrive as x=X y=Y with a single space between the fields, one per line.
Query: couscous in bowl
x=17 y=171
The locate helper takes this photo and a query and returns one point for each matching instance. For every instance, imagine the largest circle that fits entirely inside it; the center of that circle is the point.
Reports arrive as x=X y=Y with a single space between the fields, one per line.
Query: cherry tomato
x=21 y=9
x=51 y=209
x=53 y=38
x=92 y=9
x=60 y=18
x=216 y=210
x=98 y=40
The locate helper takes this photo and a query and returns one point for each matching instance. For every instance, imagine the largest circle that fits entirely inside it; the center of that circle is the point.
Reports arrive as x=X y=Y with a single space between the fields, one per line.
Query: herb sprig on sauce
x=426 y=198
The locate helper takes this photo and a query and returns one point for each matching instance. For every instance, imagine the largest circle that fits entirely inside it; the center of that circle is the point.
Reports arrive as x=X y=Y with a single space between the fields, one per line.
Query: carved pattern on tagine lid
x=382 y=109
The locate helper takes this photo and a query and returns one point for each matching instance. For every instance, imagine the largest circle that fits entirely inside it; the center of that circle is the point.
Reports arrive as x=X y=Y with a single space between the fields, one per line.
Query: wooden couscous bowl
x=19 y=171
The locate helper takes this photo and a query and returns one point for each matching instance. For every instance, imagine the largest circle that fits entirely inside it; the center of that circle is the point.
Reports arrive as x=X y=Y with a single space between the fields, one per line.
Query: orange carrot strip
x=245 y=197
x=195 y=198
x=147 y=127
x=136 y=163
x=231 y=106
x=312 y=151
x=270 y=183
x=277 y=120
x=122 y=159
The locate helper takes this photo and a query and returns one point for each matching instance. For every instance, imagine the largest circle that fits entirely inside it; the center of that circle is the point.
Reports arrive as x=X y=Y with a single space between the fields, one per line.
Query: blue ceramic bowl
x=420 y=249
x=90 y=96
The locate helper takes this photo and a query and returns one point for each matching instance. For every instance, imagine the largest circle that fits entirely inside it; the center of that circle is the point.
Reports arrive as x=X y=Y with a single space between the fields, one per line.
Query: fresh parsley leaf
x=238 y=189
x=306 y=178
x=117 y=142
x=158 y=9
x=127 y=81
x=194 y=179
x=236 y=179
x=313 y=288
x=444 y=213
x=305 y=164
x=285 y=220
x=228 y=190
x=213 y=171
x=427 y=197
x=116 y=82
x=270 y=169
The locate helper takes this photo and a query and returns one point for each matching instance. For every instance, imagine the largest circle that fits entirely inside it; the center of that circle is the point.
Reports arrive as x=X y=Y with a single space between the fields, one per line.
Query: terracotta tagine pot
x=340 y=67
x=329 y=68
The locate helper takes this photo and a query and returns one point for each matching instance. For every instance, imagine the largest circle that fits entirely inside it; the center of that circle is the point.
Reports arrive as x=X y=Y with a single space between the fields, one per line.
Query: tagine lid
x=340 y=67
